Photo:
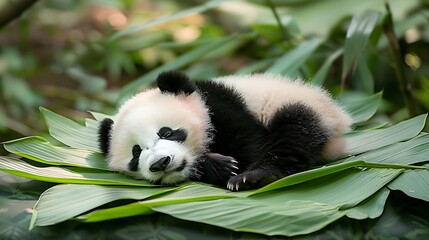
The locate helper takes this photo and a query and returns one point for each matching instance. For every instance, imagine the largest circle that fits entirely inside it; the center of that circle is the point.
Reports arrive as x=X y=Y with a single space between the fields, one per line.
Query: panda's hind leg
x=296 y=141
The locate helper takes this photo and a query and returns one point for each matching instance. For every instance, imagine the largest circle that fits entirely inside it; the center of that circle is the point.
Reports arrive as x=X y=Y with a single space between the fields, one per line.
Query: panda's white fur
x=184 y=105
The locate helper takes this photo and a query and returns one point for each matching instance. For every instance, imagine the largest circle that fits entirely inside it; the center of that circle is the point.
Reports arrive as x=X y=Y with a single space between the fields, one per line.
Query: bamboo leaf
x=69 y=132
x=370 y=208
x=413 y=183
x=194 y=192
x=357 y=37
x=308 y=175
x=364 y=109
x=412 y=151
x=190 y=11
x=59 y=203
x=179 y=62
x=62 y=175
x=323 y=196
x=319 y=77
x=364 y=75
x=91 y=123
x=246 y=215
x=40 y=150
x=359 y=142
x=100 y=116
x=255 y=67
x=292 y=60
x=303 y=208
x=347 y=188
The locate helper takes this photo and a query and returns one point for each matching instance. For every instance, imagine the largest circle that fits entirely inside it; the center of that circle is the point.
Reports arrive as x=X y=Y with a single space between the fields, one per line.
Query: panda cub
x=239 y=132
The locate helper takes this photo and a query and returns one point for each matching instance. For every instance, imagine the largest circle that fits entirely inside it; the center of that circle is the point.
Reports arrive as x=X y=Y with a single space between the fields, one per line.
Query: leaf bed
x=357 y=186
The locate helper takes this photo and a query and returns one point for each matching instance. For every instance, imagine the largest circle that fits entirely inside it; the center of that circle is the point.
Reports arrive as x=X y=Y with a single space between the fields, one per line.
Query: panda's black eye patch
x=136 y=150
x=134 y=163
x=167 y=133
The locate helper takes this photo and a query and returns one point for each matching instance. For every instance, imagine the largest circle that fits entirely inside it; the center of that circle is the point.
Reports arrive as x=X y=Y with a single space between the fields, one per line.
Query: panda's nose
x=160 y=165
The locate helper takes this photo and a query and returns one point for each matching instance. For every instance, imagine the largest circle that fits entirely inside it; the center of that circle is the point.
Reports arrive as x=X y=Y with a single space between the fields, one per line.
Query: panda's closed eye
x=167 y=133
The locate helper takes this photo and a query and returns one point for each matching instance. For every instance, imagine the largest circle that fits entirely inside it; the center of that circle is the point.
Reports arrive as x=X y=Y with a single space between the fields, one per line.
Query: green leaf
x=89 y=83
x=323 y=197
x=358 y=34
x=39 y=149
x=319 y=77
x=62 y=175
x=129 y=210
x=91 y=123
x=2 y=119
x=69 y=132
x=371 y=207
x=414 y=183
x=275 y=33
x=346 y=188
x=412 y=151
x=364 y=75
x=100 y=116
x=292 y=60
x=255 y=67
x=364 y=109
x=179 y=62
x=59 y=203
x=194 y=192
x=282 y=2
x=246 y=215
x=308 y=175
x=178 y=15
x=363 y=141
x=303 y=208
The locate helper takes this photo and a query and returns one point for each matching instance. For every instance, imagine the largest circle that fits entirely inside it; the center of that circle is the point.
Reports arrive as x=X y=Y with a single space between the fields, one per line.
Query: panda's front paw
x=218 y=168
x=250 y=179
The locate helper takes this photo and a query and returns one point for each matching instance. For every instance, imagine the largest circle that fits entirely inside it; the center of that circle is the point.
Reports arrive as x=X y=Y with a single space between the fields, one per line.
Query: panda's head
x=159 y=134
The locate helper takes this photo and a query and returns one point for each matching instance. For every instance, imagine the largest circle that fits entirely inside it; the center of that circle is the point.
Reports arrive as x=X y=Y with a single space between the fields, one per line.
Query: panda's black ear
x=104 y=132
x=175 y=82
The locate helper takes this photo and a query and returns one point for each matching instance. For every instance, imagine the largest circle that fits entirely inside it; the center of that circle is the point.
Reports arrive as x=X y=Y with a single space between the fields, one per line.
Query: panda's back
x=265 y=94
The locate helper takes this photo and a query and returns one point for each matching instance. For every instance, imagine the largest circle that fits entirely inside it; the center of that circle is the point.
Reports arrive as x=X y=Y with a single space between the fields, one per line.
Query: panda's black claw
x=250 y=179
x=218 y=168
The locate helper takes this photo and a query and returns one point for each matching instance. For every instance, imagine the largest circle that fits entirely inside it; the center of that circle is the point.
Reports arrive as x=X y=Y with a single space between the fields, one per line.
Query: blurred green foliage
x=84 y=55
x=74 y=56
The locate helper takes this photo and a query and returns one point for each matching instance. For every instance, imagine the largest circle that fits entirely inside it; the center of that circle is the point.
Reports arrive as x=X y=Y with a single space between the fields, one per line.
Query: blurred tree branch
x=405 y=86
x=12 y=9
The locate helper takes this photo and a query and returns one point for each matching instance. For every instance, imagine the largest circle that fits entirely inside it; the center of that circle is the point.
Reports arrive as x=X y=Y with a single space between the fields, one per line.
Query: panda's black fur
x=244 y=153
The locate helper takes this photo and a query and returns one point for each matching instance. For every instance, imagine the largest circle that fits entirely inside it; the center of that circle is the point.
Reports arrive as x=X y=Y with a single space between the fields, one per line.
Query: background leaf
x=364 y=109
x=357 y=37
x=291 y=61
x=179 y=62
x=181 y=14
x=319 y=78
